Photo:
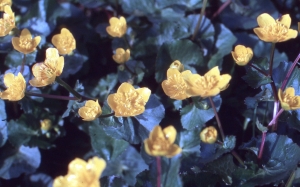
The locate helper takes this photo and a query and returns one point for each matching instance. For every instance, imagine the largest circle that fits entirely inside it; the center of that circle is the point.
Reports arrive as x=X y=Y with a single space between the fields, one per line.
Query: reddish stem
x=51 y=96
x=290 y=72
x=221 y=8
x=261 y=150
x=158 y=167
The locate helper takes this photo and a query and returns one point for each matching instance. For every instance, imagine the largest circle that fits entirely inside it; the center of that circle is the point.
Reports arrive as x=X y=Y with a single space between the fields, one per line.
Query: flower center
x=26 y=43
x=66 y=43
x=176 y=85
x=90 y=112
x=278 y=30
x=291 y=100
x=160 y=144
x=208 y=82
x=242 y=57
x=117 y=27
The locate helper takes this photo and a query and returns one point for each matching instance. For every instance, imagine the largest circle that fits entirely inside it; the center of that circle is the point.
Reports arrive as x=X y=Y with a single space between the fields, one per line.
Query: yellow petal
x=98 y=165
x=173 y=150
x=77 y=165
x=156 y=133
x=223 y=81
x=37 y=40
x=51 y=53
x=286 y=20
x=170 y=134
x=37 y=83
x=289 y=91
x=280 y=95
x=16 y=43
x=291 y=34
x=213 y=72
x=260 y=32
x=147 y=145
x=8 y=79
x=265 y=19
x=125 y=87
x=111 y=103
x=60 y=65
x=145 y=93
x=25 y=34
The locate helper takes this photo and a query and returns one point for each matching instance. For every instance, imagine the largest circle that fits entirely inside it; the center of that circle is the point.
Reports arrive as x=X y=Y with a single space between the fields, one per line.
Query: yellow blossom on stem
x=90 y=111
x=288 y=100
x=177 y=65
x=161 y=142
x=128 y=101
x=7 y=23
x=271 y=30
x=16 y=86
x=208 y=85
x=121 y=55
x=242 y=55
x=64 y=42
x=46 y=124
x=82 y=174
x=25 y=44
x=46 y=72
x=209 y=135
x=118 y=27
x=3 y=3
x=175 y=86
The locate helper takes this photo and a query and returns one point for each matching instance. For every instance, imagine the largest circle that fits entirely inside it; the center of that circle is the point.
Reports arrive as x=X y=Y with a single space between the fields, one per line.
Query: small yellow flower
x=7 y=23
x=288 y=100
x=121 y=55
x=271 y=30
x=46 y=72
x=46 y=124
x=117 y=27
x=25 y=44
x=64 y=42
x=3 y=3
x=161 y=142
x=90 y=111
x=242 y=55
x=177 y=65
x=175 y=86
x=128 y=101
x=82 y=174
x=15 y=87
x=209 y=135
x=208 y=85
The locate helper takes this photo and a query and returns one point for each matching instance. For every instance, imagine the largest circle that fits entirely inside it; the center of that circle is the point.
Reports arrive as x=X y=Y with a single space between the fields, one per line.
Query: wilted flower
x=161 y=142
x=288 y=100
x=46 y=72
x=209 y=135
x=25 y=44
x=242 y=55
x=15 y=87
x=90 y=111
x=271 y=30
x=128 y=101
x=121 y=55
x=64 y=42
x=82 y=174
x=208 y=85
x=7 y=23
x=3 y=3
x=46 y=124
x=177 y=65
x=117 y=27
x=175 y=86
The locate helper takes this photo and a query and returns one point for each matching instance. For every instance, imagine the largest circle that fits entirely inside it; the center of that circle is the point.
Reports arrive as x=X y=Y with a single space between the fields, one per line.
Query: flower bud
x=242 y=55
x=177 y=65
x=209 y=135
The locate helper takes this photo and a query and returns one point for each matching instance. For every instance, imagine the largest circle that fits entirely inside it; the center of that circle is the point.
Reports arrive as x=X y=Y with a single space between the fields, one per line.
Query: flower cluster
x=121 y=56
x=118 y=27
x=242 y=55
x=288 y=100
x=64 y=42
x=90 y=111
x=25 y=44
x=7 y=23
x=15 y=87
x=82 y=174
x=3 y=3
x=209 y=135
x=161 y=142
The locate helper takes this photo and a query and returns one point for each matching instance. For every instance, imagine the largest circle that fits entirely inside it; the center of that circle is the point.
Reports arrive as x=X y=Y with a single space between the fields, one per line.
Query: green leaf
x=261 y=127
x=3 y=127
x=188 y=53
x=194 y=114
x=15 y=58
x=261 y=62
x=134 y=66
x=189 y=141
x=73 y=63
x=138 y=7
x=170 y=171
x=255 y=79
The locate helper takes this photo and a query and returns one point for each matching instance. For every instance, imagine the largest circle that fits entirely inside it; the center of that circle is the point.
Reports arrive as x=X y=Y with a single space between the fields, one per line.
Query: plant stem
x=126 y=41
x=290 y=72
x=51 y=96
x=23 y=64
x=217 y=118
x=289 y=183
x=69 y=88
x=261 y=149
x=259 y=70
x=107 y=115
x=237 y=157
x=271 y=59
x=224 y=5
x=200 y=19
x=158 y=167
x=272 y=122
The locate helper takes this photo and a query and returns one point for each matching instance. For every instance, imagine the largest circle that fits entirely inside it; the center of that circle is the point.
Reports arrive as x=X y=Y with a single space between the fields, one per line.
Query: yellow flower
x=177 y=65
x=25 y=44
x=271 y=30
x=209 y=135
x=208 y=85
x=288 y=100
x=46 y=72
x=121 y=55
x=46 y=124
x=242 y=55
x=82 y=174
x=7 y=23
x=90 y=111
x=128 y=101
x=64 y=42
x=117 y=27
x=161 y=142
x=15 y=87
x=175 y=86
x=3 y=3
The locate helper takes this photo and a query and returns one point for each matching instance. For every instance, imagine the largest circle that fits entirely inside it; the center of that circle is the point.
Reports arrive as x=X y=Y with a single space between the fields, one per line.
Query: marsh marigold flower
x=175 y=86
x=118 y=27
x=161 y=142
x=46 y=124
x=64 y=42
x=128 y=101
x=288 y=100
x=3 y=3
x=242 y=55
x=46 y=72
x=90 y=111
x=16 y=86
x=271 y=30
x=82 y=174
x=208 y=85
x=25 y=44
x=7 y=23
x=121 y=55
x=177 y=65
x=209 y=135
